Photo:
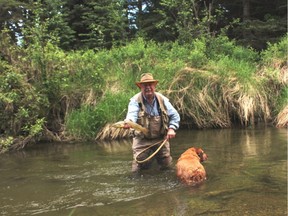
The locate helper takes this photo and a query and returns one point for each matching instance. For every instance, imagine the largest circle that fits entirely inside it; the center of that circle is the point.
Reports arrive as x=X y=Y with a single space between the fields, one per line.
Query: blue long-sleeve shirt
x=134 y=108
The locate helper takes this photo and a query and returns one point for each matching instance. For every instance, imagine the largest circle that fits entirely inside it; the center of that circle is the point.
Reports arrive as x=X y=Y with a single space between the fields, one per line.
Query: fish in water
x=133 y=125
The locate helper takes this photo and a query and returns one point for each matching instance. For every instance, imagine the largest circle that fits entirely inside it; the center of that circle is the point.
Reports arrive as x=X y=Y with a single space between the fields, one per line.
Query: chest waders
x=147 y=146
x=156 y=125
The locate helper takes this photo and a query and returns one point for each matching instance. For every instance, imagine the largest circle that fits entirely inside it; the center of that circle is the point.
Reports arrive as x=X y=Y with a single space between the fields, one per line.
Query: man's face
x=148 y=89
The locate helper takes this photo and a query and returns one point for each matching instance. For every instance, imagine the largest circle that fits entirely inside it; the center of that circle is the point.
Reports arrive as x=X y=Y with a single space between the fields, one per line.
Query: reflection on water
x=115 y=146
x=246 y=175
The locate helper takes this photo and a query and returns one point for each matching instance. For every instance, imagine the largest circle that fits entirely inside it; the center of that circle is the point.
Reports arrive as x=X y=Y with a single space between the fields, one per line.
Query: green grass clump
x=86 y=122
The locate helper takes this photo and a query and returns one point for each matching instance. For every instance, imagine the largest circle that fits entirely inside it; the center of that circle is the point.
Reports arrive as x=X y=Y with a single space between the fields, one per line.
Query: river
x=246 y=175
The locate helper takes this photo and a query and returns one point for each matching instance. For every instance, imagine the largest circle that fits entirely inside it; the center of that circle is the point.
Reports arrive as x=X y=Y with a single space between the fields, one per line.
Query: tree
x=188 y=19
x=89 y=24
x=12 y=17
x=96 y=24
x=78 y=24
x=260 y=21
x=107 y=23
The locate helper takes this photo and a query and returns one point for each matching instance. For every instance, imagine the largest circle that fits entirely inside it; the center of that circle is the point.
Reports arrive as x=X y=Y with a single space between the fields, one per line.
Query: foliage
x=12 y=17
x=211 y=80
x=21 y=108
x=252 y=33
x=274 y=60
x=86 y=122
x=223 y=86
x=5 y=143
x=222 y=78
x=188 y=19
x=275 y=55
x=207 y=99
x=20 y=102
x=40 y=84
x=105 y=24
x=221 y=47
x=256 y=90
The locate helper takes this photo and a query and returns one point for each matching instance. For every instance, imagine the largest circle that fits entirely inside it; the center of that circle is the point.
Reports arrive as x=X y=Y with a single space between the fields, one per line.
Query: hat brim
x=150 y=81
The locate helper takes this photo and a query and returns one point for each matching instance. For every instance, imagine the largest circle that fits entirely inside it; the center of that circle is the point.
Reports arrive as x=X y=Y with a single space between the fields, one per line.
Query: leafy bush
x=274 y=59
x=21 y=104
x=222 y=46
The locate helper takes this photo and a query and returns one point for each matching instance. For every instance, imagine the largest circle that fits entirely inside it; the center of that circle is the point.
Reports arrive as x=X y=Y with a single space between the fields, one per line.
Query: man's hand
x=126 y=126
x=171 y=133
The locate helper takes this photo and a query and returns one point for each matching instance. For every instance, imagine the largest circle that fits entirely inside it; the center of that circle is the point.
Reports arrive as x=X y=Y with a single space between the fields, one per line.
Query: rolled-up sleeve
x=133 y=109
x=174 y=117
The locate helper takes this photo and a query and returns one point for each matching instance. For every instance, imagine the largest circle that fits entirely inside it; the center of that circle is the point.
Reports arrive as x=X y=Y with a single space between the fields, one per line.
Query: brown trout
x=133 y=125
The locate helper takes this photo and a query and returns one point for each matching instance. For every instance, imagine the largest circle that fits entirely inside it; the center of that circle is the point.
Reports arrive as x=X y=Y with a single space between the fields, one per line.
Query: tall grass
x=212 y=82
x=212 y=85
x=275 y=68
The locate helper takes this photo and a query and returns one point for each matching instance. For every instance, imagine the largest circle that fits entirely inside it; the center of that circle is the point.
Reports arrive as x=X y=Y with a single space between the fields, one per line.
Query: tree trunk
x=246 y=10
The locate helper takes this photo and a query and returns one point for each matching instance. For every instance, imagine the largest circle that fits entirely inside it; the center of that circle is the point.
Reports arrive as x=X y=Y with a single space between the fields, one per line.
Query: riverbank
x=213 y=83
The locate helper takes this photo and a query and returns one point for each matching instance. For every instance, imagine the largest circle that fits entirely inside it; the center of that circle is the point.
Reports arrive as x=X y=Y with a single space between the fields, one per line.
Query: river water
x=246 y=175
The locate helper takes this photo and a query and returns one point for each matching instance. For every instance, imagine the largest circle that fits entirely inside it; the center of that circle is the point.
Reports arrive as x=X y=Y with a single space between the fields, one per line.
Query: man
x=153 y=111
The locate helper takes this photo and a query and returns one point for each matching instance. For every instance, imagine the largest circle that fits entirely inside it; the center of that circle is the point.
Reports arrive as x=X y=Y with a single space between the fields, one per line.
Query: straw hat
x=146 y=78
